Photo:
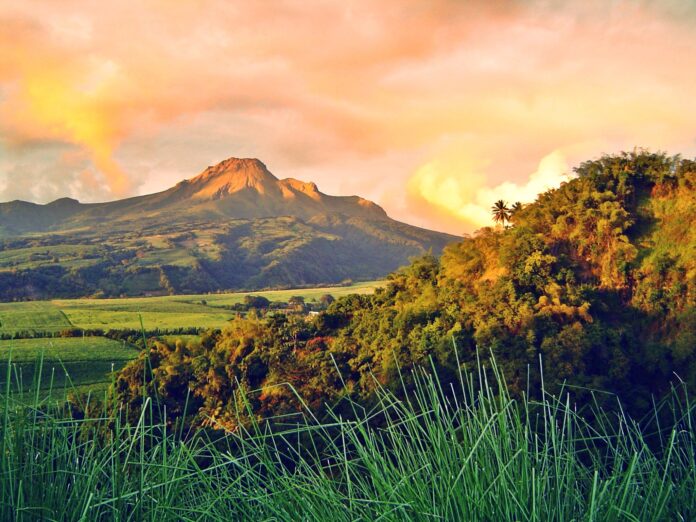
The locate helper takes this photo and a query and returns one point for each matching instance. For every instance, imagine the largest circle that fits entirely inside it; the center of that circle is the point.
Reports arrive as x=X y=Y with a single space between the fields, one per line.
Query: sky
x=434 y=109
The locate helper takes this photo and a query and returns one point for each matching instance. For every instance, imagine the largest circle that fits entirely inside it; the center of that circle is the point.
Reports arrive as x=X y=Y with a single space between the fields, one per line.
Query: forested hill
x=595 y=278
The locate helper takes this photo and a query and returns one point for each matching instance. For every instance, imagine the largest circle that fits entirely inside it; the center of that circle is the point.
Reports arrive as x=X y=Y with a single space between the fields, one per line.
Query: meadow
x=66 y=363
x=162 y=312
x=32 y=316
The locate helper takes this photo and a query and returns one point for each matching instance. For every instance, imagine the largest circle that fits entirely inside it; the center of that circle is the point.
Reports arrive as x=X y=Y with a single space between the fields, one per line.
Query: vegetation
x=469 y=452
x=501 y=212
x=83 y=341
x=66 y=362
x=32 y=317
x=367 y=410
x=39 y=318
x=596 y=277
x=230 y=256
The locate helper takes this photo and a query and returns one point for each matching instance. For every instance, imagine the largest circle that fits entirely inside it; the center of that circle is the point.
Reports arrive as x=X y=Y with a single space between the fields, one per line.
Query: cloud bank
x=457 y=188
x=433 y=109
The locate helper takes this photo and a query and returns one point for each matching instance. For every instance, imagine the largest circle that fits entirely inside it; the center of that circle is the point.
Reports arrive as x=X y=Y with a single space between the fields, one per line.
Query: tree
x=326 y=300
x=501 y=212
x=515 y=212
x=297 y=303
x=256 y=301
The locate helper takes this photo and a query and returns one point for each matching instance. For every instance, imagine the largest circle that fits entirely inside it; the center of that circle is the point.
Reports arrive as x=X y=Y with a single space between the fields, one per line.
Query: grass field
x=435 y=456
x=67 y=362
x=283 y=295
x=165 y=312
x=32 y=316
x=94 y=316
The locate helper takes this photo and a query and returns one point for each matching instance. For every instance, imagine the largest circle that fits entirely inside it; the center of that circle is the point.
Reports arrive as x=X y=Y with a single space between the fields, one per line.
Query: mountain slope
x=234 y=188
x=234 y=226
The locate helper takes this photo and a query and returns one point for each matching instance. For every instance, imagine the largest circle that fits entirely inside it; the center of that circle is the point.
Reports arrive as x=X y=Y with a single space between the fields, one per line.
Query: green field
x=154 y=315
x=67 y=362
x=79 y=362
x=283 y=295
x=165 y=312
x=32 y=316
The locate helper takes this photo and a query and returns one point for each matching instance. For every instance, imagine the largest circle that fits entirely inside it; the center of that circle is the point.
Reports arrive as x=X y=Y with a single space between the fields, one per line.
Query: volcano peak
x=233 y=175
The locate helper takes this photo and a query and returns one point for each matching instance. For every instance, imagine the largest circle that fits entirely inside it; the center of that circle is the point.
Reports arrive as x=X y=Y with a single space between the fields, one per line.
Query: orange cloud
x=425 y=106
x=67 y=112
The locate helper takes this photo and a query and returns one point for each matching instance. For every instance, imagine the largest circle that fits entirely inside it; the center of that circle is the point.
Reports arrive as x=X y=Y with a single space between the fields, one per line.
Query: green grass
x=435 y=455
x=66 y=349
x=283 y=295
x=96 y=317
x=166 y=312
x=67 y=362
x=32 y=316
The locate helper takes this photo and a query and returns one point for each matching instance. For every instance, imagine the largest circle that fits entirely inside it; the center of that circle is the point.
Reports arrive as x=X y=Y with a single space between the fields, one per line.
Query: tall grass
x=439 y=452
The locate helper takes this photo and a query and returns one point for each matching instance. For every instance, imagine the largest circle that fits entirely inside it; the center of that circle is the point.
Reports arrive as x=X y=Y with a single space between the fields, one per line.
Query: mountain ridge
x=233 y=226
x=233 y=188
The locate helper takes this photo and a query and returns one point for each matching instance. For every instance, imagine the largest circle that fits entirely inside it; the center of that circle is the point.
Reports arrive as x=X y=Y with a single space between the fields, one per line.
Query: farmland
x=85 y=361
x=67 y=362
x=31 y=317
x=163 y=312
x=283 y=295
x=157 y=313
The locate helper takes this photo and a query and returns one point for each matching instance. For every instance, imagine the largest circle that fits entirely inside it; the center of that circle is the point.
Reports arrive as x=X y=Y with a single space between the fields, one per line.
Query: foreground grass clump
x=437 y=453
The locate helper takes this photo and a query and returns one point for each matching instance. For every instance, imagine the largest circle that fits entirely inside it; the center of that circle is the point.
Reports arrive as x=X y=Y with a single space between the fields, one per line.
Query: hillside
x=596 y=281
x=234 y=226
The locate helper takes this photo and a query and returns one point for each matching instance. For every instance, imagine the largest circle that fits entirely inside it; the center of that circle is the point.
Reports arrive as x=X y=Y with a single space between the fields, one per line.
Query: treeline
x=132 y=336
x=595 y=281
x=295 y=303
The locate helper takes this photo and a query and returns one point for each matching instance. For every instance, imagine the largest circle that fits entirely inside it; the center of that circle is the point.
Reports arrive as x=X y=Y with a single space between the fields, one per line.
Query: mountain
x=234 y=226
x=234 y=188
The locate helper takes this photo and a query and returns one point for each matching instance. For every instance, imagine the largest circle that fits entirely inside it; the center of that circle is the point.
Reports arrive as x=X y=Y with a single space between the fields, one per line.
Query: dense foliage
x=595 y=280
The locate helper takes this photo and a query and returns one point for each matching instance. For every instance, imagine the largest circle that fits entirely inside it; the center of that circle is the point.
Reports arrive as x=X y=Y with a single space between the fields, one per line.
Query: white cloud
x=456 y=184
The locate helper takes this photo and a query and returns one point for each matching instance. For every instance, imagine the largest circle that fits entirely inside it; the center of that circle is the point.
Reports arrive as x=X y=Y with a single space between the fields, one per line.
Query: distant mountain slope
x=233 y=226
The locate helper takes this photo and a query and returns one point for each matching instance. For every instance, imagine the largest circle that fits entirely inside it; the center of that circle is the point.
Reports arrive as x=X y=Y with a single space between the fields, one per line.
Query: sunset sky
x=433 y=109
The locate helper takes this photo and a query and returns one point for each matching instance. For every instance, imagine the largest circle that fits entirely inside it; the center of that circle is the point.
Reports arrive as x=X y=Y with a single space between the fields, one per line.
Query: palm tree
x=501 y=212
x=515 y=212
